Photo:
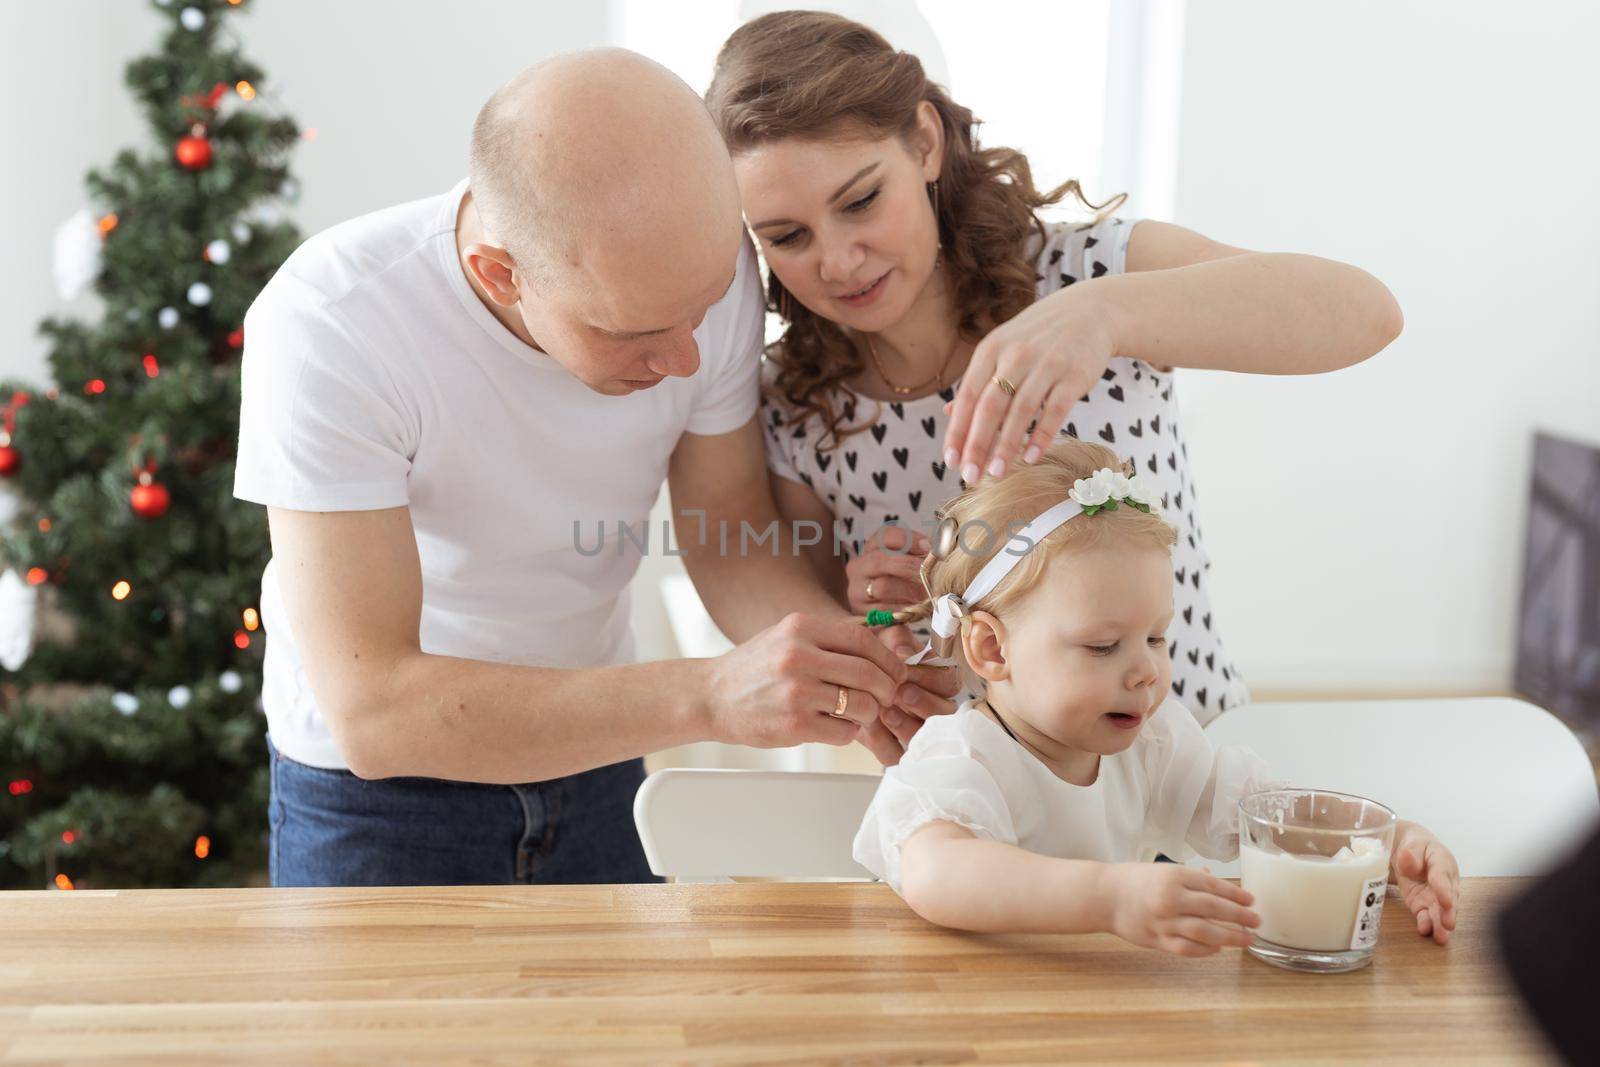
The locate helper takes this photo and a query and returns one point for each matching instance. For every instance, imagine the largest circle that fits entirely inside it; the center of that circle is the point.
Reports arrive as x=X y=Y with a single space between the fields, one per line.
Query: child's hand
x=1178 y=909
x=1429 y=880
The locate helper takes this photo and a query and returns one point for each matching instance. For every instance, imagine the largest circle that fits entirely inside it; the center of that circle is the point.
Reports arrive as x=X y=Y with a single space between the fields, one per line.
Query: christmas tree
x=131 y=740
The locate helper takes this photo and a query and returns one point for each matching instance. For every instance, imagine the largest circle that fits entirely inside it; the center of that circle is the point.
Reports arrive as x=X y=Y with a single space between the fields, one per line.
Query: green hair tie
x=880 y=618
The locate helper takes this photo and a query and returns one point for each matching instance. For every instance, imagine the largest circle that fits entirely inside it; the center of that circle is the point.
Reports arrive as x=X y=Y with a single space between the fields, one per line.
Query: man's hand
x=782 y=686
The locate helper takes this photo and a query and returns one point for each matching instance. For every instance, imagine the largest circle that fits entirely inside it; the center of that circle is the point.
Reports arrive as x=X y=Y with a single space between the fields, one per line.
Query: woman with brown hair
x=939 y=331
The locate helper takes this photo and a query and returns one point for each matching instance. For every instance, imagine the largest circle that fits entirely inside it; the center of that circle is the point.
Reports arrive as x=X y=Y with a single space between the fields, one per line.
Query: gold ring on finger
x=841 y=703
x=869 y=590
x=1005 y=386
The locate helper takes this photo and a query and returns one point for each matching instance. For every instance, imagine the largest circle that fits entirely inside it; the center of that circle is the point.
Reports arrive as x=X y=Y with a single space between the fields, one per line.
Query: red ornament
x=236 y=338
x=193 y=152
x=10 y=459
x=149 y=499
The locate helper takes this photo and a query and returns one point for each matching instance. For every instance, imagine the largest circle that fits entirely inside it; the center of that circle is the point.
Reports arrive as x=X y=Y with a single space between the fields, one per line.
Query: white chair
x=709 y=825
x=1505 y=784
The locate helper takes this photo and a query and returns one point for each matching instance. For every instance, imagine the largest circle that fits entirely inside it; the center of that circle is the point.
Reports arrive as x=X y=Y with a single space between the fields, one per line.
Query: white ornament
x=126 y=703
x=179 y=696
x=192 y=18
x=19 y=604
x=230 y=681
x=1141 y=493
x=241 y=232
x=77 y=254
x=266 y=214
x=1091 y=491
x=290 y=189
x=199 y=294
x=218 y=251
x=167 y=318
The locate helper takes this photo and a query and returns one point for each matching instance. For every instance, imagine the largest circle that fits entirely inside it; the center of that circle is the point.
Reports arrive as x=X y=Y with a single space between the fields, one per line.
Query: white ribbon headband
x=1101 y=491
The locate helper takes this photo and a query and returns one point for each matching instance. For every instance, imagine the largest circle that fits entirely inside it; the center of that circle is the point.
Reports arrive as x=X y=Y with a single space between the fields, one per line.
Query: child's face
x=1086 y=651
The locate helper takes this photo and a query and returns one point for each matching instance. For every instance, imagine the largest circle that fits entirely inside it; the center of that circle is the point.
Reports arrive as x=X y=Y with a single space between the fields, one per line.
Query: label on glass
x=1369 y=909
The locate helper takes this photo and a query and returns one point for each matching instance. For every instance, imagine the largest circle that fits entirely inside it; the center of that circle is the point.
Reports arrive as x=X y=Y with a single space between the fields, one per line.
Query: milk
x=1316 y=902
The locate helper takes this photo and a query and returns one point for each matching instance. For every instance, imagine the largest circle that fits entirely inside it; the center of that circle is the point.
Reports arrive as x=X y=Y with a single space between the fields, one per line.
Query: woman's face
x=847 y=225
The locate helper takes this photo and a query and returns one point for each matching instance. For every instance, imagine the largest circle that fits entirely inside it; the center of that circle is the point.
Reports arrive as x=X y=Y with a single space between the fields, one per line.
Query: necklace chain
x=906 y=390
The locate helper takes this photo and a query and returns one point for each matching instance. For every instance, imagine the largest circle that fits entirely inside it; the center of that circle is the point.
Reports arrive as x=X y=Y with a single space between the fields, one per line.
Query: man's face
x=623 y=319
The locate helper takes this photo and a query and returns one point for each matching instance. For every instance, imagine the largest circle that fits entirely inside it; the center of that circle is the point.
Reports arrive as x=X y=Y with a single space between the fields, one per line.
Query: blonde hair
x=987 y=513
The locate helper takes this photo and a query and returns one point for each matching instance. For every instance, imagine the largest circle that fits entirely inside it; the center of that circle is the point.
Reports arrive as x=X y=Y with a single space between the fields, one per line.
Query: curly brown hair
x=813 y=74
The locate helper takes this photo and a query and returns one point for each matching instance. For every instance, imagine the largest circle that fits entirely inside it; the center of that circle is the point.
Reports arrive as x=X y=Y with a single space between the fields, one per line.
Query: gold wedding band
x=1005 y=386
x=869 y=590
x=839 y=706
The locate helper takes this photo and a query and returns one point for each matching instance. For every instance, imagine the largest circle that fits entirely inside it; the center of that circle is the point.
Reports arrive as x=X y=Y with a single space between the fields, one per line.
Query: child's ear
x=983 y=641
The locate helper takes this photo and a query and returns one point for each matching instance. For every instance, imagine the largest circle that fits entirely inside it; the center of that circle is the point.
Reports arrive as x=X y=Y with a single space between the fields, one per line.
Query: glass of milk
x=1317 y=864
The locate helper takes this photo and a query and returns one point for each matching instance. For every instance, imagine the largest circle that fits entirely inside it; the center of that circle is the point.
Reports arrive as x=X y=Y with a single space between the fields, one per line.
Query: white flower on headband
x=1093 y=491
x=1106 y=488
x=1143 y=497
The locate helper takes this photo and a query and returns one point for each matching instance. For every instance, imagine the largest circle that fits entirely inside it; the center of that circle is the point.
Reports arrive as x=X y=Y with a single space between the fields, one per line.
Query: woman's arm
x=1184 y=300
x=1188 y=301
x=953 y=878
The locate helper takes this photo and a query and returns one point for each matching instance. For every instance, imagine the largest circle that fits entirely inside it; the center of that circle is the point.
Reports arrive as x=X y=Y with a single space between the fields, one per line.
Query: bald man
x=450 y=409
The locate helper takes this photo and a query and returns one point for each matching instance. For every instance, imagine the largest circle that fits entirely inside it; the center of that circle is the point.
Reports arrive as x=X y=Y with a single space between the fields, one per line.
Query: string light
x=108 y=222
x=202 y=846
x=68 y=837
x=310 y=134
x=121 y=590
x=252 y=620
x=63 y=882
x=38 y=576
x=44 y=525
x=241 y=639
x=20 y=787
x=94 y=386
x=245 y=90
x=152 y=366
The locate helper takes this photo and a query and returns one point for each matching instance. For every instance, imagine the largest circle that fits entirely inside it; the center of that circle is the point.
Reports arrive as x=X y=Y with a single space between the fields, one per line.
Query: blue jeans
x=330 y=828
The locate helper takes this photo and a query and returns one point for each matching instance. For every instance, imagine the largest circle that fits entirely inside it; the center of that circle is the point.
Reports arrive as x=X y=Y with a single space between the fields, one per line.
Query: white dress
x=1168 y=792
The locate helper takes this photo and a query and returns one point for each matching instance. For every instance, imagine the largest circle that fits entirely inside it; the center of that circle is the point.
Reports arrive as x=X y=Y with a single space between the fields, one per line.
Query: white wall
x=391 y=89
x=1366 y=527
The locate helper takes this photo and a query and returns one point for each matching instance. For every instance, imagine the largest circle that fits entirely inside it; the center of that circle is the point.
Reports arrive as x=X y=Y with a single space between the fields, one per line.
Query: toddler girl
x=1039 y=806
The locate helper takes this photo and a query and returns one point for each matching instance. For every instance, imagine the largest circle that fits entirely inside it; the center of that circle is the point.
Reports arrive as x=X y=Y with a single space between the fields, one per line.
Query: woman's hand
x=1178 y=909
x=890 y=562
x=1429 y=880
x=1053 y=353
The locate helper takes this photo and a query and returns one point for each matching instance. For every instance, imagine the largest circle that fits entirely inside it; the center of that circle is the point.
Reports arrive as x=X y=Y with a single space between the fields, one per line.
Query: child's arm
x=1428 y=878
x=953 y=878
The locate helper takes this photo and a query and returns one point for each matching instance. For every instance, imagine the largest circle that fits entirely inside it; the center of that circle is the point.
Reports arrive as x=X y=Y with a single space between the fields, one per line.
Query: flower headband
x=1104 y=490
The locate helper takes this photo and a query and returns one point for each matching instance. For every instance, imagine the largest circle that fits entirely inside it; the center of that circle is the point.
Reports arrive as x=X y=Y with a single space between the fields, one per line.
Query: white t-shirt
x=374 y=377
x=1168 y=792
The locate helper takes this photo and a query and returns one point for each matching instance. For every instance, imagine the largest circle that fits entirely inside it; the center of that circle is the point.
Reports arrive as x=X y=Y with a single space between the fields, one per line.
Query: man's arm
x=721 y=503
x=352 y=586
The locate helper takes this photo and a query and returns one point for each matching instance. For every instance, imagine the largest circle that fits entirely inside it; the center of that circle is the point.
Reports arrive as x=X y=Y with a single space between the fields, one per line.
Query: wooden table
x=801 y=973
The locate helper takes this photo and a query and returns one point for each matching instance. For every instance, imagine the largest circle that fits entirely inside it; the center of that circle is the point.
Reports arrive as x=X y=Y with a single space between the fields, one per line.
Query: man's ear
x=928 y=137
x=495 y=271
x=983 y=641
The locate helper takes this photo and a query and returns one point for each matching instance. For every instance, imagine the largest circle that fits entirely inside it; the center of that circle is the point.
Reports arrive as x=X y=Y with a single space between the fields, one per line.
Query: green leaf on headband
x=1142 y=507
x=1111 y=505
x=1091 y=509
